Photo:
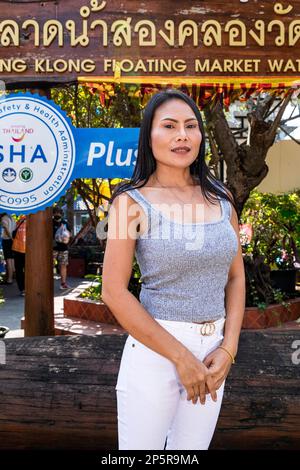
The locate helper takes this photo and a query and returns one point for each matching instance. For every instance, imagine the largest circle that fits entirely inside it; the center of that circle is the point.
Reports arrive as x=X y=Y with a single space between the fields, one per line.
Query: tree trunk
x=246 y=164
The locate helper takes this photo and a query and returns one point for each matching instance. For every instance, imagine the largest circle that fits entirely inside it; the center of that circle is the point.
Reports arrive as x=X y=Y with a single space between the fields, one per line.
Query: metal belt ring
x=207 y=329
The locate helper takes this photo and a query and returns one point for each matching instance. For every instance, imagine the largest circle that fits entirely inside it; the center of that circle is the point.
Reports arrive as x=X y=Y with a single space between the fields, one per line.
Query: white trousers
x=153 y=409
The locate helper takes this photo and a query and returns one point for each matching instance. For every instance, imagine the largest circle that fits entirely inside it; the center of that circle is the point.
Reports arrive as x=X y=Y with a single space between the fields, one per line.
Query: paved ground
x=12 y=310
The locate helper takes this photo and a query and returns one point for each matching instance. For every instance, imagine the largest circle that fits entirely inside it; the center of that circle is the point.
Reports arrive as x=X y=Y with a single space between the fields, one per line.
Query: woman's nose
x=182 y=133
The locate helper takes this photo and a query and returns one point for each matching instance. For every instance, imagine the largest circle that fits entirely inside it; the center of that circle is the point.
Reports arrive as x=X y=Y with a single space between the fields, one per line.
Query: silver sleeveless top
x=184 y=267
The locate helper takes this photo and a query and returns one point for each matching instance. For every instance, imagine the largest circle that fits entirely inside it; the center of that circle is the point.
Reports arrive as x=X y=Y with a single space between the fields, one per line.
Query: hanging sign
x=41 y=153
x=63 y=40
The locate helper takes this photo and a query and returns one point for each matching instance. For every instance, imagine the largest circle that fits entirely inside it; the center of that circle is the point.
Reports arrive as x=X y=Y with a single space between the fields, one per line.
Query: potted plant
x=271 y=250
x=275 y=221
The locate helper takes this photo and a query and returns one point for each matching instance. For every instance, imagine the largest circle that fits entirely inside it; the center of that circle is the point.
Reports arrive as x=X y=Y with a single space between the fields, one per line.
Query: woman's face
x=175 y=125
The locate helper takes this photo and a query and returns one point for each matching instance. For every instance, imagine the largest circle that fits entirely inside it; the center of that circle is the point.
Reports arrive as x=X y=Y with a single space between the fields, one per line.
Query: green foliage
x=275 y=220
x=135 y=281
x=279 y=296
x=94 y=291
x=99 y=105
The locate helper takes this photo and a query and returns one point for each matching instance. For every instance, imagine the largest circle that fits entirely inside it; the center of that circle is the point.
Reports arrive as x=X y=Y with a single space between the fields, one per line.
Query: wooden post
x=39 y=301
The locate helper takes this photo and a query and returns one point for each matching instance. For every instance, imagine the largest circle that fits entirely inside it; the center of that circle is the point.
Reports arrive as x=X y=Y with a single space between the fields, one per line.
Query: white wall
x=283 y=160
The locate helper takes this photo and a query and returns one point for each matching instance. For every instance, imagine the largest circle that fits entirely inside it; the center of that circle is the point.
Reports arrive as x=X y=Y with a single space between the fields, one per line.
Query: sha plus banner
x=41 y=153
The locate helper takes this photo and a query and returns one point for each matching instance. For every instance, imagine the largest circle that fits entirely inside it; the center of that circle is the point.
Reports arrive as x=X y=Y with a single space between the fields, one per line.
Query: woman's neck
x=167 y=182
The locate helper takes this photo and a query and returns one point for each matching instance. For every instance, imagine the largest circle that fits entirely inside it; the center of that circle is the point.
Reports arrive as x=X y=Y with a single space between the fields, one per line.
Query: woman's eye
x=190 y=126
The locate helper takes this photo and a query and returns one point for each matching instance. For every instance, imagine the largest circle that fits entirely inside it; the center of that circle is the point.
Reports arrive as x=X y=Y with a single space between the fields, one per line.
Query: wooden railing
x=59 y=393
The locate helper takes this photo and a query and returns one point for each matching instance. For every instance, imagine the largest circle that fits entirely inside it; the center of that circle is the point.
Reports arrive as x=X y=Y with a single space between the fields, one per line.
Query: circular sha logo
x=37 y=145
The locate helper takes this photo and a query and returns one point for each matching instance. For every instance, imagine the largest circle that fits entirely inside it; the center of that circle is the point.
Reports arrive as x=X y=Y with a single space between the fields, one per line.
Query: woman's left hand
x=218 y=363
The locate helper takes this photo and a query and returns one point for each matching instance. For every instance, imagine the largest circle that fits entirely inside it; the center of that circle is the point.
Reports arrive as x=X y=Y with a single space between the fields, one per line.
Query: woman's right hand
x=195 y=377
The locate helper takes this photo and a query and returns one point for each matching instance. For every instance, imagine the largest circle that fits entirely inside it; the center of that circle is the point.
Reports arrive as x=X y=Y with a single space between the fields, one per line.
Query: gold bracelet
x=229 y=353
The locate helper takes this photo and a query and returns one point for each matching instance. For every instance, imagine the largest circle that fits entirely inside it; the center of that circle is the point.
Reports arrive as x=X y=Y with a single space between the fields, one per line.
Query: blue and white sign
x=37 y=153
x=105 y=153
x=41 y=153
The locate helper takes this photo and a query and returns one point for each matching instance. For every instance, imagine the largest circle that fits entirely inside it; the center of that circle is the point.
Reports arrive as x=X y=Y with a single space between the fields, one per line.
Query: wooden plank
x=261 y=402
x=59 y=392
x=157 y=12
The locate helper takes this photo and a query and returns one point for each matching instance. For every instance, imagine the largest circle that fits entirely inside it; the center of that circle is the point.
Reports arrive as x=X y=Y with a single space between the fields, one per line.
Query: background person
x=8 y=226
x=61 y=248
x=19 y=250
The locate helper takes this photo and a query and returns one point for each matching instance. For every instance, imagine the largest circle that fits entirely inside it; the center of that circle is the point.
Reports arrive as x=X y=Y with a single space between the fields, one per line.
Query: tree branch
x=274 y=126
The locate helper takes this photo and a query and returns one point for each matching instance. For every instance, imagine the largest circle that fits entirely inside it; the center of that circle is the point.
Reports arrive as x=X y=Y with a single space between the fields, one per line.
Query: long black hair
x=146 y=163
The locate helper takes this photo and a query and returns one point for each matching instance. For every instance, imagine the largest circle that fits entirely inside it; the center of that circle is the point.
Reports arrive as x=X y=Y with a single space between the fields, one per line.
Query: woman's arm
x=235 y=294
x=5 y=225
x=130 y=313
x=219 y=361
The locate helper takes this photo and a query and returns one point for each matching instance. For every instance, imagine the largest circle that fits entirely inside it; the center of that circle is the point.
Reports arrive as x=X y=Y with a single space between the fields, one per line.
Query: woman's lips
x=181 y=150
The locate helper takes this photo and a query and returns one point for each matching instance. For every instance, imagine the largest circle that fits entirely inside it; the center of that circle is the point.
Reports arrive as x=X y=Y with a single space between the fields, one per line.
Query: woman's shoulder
x=126 y=199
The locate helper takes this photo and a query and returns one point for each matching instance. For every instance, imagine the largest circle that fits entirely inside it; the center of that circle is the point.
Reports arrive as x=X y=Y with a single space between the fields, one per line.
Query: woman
x=184 y=331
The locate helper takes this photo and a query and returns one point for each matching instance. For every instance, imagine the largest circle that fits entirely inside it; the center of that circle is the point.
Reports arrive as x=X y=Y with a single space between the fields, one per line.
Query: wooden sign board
x=49 y=42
